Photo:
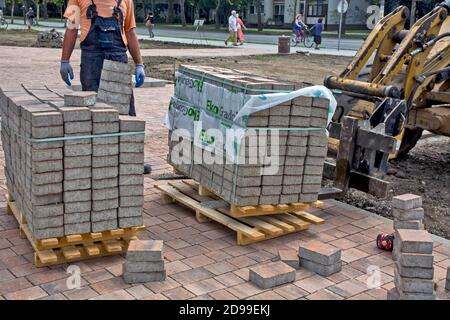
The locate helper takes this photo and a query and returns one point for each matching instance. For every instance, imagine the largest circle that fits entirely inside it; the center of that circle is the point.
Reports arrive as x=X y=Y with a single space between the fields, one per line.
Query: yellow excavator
x=397 y=85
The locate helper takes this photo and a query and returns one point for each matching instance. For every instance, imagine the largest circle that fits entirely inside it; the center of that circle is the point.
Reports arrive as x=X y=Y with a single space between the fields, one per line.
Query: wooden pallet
x=249 y=229
x=75 y=247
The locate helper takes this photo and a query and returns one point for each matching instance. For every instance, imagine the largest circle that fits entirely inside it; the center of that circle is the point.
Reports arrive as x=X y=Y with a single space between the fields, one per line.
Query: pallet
x=248 y=229
x=76 y=247
x=259 y=210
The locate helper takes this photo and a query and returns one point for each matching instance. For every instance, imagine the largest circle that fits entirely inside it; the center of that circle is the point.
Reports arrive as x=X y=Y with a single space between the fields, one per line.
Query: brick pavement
x=202 y=260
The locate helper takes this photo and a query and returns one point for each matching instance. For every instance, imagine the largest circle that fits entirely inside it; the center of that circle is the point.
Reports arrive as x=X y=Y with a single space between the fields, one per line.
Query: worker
x=107 y=31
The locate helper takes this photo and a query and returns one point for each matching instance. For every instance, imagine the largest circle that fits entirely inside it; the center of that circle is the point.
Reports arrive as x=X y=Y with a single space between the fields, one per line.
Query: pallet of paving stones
x=214 y=97
x=74 y=166
x=249 y=229
x=75 y=247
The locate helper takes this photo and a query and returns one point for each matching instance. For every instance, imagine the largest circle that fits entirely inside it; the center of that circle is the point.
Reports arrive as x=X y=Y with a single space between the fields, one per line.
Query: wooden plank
x=298 y=223
x=262 y=225
x=210 y=213
x=71 y=252
x=50 y=242
x=47 y=256
x=309 y=217
x=92 y=249
x=117 y=232
x=73 y=238
x=112 y=246
x=275 y=221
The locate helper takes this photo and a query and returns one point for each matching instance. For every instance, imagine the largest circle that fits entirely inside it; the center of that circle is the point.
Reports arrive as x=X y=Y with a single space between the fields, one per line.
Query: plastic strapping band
x=106 y=135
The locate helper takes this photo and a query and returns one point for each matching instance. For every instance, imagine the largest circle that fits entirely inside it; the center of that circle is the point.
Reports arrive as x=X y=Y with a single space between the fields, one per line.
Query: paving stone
x=77 y=196
x=116 y=66
x=47 y=132
x=131 y=201
x=101 y=205
x=77 y=173
x=48 y=233
x=46 y=119
x=78 y=150
x=414 y=241
x=414 y=285
x=136 y=277
x=104 y=225
x=126 y=212
x=131 y=147
x=416 y=260
x=144 y=266
x=72 y=114
x=47 y=177
x=105 y=150
x=131 y=222
x=47 y=154
x=50 y=222
x=393 y=294
x=48 y=210
x=104 y=194
x=116 y=87
x=407 y=201
x=414 y=272
x=74 y=207
x=272 y=274
x=411 y=214
x=116 y=77
x=322 y=269
x=105 y=127
x=77 y=228
x=131 y=124
x=145 y=250
x=73 y=218
x=77 y=162
x=410 y=224
x=290 y=257
x=104 y=183
x=80 y=99
x=105 y=140
x=319 y=252
x=103 y=215
x=78 y=184
x=125 y=191
x=105 y=173
x=135 y=158
x=131 y=169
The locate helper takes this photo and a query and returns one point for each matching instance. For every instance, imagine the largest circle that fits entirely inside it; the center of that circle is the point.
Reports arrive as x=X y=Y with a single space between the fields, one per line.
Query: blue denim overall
x=104 y=41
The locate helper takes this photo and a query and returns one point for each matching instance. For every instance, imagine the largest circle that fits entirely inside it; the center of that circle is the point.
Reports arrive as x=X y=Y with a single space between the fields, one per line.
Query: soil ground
x=425 y=171
x=24 y=38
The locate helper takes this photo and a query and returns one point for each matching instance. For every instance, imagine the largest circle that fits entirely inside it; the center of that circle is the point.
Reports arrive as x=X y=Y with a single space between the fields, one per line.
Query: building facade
x=282 y=13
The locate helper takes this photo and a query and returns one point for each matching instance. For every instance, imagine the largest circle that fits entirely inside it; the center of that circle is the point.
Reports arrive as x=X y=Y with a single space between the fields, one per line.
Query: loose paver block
x=411 y=214
x=394 y=294
x=290 y=257
x=145 y=250
x=320 y=252
x=416 y=260
x=272 y=274
x=414 y=241
x=407 y=201
x=80 y=99
x=410 y=224
x=322 y=269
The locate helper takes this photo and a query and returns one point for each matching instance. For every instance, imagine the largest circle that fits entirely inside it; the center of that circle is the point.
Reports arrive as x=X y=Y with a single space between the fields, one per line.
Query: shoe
x=226 y=42
x=147 y=168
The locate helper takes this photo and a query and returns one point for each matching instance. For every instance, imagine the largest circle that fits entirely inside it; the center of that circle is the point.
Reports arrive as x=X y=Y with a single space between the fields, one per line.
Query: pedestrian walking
x=150 y=23
x=240 y=26
x=232 y=28
x=317 y=32
x=30 y=18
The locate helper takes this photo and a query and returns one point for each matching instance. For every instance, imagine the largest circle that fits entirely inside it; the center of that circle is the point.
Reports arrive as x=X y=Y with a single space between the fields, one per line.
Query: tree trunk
x=44 y=9
x=182 y=13
x=258 y=11
x=217 y=14
x=13 y=4
x=344 y=18
x=169 y=11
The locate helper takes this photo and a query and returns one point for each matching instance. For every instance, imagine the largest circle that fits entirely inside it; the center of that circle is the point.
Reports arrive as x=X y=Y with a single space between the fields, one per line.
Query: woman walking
x=232 y=29
x=150 y=23
x=240 y=25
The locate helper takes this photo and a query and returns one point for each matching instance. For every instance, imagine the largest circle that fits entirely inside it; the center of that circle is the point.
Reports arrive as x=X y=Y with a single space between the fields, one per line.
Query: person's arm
x=135 y=51
x=70 y=39
x=66 y=71
x=133 y=46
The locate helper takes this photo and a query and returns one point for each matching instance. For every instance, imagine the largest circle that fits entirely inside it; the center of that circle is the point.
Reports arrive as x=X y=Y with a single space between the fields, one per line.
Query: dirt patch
x=426 y=172
x=295 y=68
x=25 y=38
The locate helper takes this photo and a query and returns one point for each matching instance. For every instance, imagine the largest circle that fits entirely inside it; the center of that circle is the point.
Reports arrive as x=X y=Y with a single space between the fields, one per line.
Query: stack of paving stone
x=408 y=214
x=321 y=258
x=271 y=275
x=71 y=185
x=414 y=271
x=145 y=262
x=278 y=166
x=131 y=180
x=49 y=39
x=115 y=85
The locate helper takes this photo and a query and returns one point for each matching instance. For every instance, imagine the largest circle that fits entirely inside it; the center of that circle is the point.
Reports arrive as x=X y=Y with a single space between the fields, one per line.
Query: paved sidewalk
x=248 y=48
x=203 y=260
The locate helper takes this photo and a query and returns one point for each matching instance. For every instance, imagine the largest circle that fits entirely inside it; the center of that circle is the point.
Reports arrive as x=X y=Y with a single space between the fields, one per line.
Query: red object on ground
x=385 y=241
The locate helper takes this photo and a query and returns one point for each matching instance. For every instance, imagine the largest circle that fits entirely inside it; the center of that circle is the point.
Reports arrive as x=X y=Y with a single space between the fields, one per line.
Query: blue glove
x=139 y=75
x=66 y=72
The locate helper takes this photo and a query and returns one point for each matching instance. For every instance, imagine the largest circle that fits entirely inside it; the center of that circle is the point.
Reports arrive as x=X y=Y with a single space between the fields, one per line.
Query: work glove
x=66 y=72
x=139 y=75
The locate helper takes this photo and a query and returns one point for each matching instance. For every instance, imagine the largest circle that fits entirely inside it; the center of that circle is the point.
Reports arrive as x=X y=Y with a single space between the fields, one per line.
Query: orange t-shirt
x=76 y=14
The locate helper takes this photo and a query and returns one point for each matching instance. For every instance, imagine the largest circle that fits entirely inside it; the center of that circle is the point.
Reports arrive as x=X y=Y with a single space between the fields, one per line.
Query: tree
x=258 y=12
x=169 y=18
x=182 y=13
x=217 y=14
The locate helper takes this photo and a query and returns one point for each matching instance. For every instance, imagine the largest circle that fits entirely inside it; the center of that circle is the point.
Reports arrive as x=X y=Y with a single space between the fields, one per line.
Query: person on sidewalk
x=232 y=28
x=107 y=31
x=317 y=32
x=150 y=23
x=240 y=26
x=30 y=18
